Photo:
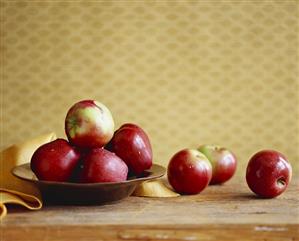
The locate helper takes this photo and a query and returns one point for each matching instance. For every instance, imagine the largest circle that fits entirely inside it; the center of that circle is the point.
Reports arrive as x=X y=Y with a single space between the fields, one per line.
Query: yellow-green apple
x=89 y=124
x=268 y=173
x=189 y=171
x=100 y=165
x=55 y=161
x=131 y=143
x=224 y=162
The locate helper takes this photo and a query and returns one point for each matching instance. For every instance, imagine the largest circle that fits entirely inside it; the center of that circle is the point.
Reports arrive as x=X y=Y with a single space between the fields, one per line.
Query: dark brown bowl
x=86 y=193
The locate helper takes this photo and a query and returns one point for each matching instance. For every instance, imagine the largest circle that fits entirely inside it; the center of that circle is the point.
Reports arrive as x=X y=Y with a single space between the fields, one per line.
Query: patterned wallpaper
x=188 y=72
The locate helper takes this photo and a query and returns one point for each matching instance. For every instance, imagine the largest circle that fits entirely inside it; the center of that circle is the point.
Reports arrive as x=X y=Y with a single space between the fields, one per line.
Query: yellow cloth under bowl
x=12 y=189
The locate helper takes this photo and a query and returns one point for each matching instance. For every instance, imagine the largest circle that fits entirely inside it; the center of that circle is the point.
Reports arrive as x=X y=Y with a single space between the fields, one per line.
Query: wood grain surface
x=226 y=212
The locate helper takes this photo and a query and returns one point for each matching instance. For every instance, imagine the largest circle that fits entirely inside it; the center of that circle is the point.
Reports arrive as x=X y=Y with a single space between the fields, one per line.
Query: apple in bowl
x=131 y=143
x=89 y=124
x=101 y=165
x=55 y=161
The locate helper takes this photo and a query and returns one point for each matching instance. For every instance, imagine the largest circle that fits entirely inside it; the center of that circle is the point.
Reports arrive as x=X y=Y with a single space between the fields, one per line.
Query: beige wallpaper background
x=188 y=72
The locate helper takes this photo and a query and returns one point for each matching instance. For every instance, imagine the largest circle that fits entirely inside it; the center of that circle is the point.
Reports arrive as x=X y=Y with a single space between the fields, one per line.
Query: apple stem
x=281 y=182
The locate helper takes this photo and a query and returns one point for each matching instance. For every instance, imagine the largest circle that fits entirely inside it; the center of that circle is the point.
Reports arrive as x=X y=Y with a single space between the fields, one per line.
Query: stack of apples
x=94 y=152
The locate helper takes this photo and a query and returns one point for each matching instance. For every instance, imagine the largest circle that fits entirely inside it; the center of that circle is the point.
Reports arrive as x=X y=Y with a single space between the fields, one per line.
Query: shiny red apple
x=89 y=124
x=100 y=165
x=132 y=145
x=268 y=173
x=55 y=161
x=224 y=162
x=189 y=171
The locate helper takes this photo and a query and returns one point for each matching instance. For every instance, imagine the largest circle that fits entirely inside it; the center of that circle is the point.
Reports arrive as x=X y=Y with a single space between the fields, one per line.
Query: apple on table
x=224 y=162
x=189 y=171
x=268 y=173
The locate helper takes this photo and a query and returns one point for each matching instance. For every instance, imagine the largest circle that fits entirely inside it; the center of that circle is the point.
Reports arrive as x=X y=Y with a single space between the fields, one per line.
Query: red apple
x=100 y=165
x=268 y=173
x=189 y=171
x=224 y=162
x=55 y=161
x=133 y=146
x=89 y=124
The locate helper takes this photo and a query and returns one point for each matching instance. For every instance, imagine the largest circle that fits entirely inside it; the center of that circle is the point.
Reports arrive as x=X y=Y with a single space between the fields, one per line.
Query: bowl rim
x=156 y=171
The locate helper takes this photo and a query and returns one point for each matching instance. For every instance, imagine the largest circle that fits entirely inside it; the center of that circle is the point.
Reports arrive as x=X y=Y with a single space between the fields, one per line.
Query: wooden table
x=227 y=212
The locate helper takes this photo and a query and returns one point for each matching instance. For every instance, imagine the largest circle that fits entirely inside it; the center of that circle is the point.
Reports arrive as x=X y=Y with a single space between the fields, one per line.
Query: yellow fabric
x=189 y=72
x=154 y=188
x=12 y=189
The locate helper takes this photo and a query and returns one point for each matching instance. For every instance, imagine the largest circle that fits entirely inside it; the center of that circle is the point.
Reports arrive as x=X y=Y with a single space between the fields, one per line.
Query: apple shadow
x=247 y=196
